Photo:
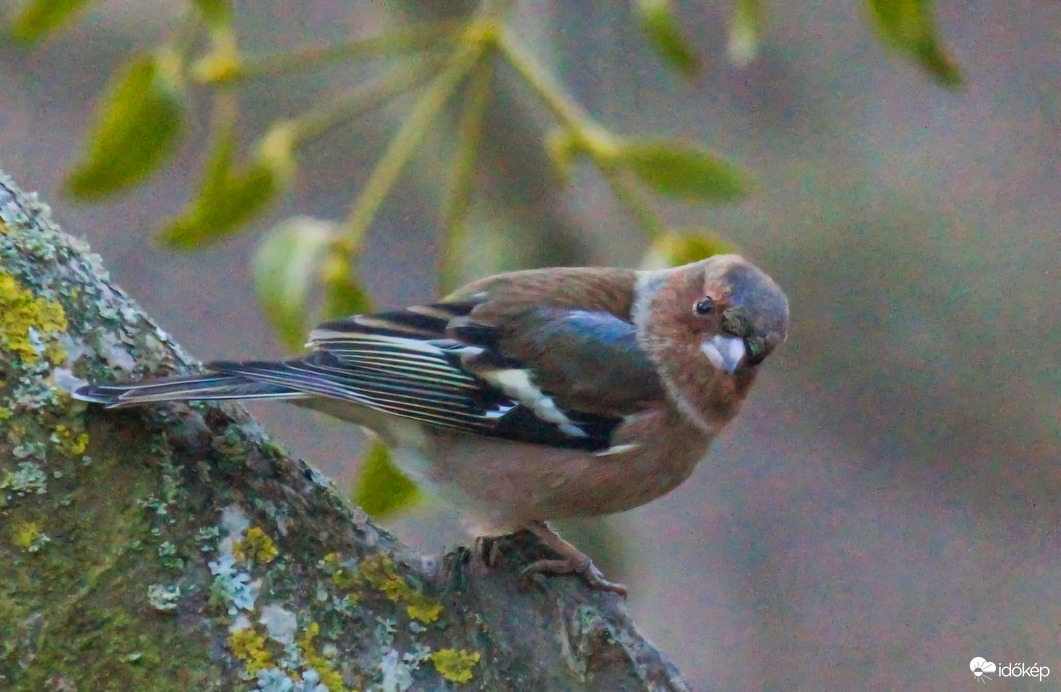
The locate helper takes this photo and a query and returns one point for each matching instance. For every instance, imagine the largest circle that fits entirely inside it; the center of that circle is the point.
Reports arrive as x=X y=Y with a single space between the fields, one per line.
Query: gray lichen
x=185 y=551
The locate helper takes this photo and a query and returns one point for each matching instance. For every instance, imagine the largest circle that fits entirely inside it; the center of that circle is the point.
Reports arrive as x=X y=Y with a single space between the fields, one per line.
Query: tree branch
x=174 y=547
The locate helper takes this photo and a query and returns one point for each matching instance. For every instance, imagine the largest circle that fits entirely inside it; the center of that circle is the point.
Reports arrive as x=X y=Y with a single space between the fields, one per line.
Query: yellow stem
x=401 y=147
x=601 y=146
x=364 y=98
x=469 y=141
x=404 y=39
x=565 y=108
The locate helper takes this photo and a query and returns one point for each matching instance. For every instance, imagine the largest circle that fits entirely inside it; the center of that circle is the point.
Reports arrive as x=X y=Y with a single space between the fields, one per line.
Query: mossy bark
x=173 y=547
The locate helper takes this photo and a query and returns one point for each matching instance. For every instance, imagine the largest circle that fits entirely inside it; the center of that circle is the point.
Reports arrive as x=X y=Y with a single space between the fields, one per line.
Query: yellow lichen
x=346 y=578
x=23 y=315
x=378 y=570
x=25 y=534
x=55 y=353
x=455 y=666
x=329 y=676
x=422 y=608
x=256 y=546
x=249 y=647
x=394 y=588
x=70 y=442
x=350 y=582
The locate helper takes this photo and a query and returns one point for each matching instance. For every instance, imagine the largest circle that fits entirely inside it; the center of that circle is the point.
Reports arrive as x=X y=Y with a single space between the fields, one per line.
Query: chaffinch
x=532 y=395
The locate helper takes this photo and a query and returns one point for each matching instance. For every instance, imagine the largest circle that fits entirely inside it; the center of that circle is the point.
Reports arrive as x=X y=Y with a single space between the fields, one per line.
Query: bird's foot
x=572 y=560
x=488 y=551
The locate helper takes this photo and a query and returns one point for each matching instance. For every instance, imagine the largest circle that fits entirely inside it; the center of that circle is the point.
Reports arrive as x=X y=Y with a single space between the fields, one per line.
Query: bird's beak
x=724 y=352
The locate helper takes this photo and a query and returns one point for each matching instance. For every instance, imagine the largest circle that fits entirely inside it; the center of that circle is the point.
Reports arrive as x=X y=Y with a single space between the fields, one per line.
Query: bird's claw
x=488 y=551
x=583 y=566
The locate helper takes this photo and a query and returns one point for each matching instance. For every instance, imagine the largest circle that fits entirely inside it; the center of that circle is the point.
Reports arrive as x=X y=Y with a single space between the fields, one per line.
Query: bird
x=531 y=395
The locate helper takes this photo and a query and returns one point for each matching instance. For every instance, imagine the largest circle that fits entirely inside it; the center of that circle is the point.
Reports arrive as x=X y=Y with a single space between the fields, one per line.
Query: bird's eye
x=705 y=306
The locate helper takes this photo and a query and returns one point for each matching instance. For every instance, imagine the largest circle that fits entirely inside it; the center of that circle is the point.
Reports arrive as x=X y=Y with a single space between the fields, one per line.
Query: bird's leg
x=490 y=553
x=573 y=560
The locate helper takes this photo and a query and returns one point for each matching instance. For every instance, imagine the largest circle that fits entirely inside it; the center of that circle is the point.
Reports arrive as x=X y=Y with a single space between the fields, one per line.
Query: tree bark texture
x=174 y=547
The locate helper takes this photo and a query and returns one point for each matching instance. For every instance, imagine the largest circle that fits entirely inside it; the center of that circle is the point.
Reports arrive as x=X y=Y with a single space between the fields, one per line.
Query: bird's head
x=709 y=325
x=742 y=311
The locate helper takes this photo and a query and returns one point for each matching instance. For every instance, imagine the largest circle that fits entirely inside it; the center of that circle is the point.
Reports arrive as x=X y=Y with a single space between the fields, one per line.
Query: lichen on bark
x=174 y=547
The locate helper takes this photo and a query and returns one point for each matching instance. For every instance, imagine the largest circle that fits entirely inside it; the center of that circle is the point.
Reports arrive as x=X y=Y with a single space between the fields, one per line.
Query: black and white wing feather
x=432 y=364
x=420 y=363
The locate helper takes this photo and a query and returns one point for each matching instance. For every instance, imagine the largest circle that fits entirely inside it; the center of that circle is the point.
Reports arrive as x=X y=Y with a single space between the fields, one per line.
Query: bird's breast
x=509 y=482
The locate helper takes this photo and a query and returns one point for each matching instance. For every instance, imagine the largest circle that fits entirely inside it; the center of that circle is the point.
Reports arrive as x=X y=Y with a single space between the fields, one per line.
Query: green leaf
x=909 y=27
x=136 y=127
x=221 y=207
x=343 y=294
x=286 y=266
x=745 y=32
x=229 y=196
x=676 y=170
x=674 y=248
x=35 y=19
x=215 y=12
x=382 y=488
x=663 y=30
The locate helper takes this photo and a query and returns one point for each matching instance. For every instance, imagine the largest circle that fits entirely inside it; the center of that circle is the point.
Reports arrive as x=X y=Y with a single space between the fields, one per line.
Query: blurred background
x=886 y=507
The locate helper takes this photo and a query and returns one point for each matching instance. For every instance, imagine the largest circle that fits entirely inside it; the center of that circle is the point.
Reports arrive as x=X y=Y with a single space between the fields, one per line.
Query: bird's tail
x=212 y=386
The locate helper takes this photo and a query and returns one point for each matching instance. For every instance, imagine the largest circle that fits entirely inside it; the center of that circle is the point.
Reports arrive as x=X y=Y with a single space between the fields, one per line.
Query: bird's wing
x=571 y=330
x=398 y=362
x=544 y=371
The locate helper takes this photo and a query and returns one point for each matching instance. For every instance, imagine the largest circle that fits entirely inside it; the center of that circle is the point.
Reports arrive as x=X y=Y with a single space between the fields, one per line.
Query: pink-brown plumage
x=533 y=395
